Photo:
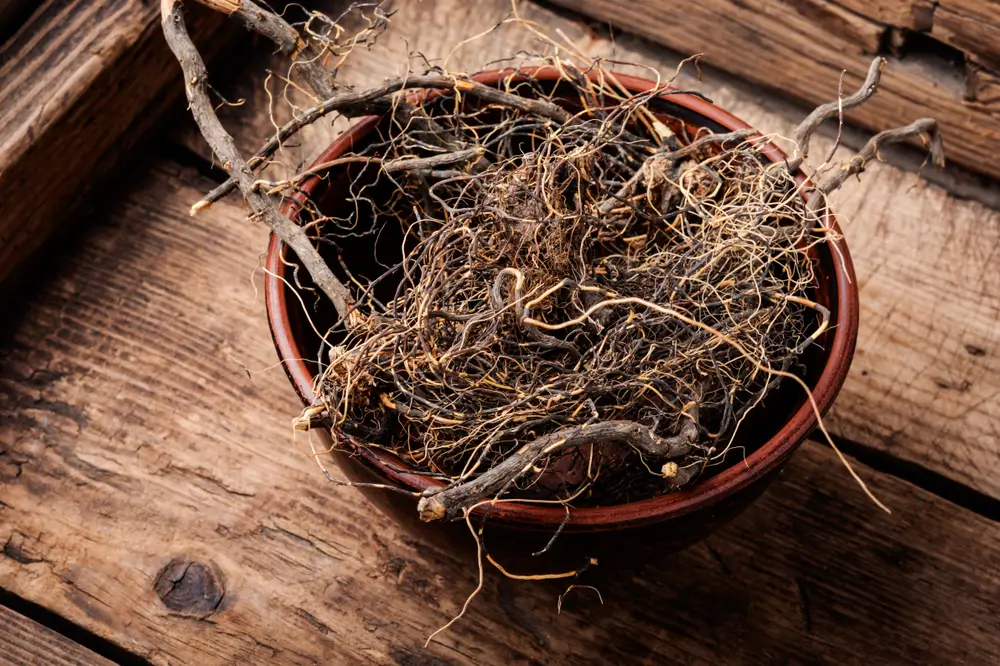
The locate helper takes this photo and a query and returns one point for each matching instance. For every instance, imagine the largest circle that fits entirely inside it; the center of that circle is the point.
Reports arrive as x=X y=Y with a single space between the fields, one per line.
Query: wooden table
x=154 y=507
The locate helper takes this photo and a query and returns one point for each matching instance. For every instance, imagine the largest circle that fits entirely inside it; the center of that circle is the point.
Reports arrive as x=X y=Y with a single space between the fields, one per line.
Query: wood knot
x=189 y=587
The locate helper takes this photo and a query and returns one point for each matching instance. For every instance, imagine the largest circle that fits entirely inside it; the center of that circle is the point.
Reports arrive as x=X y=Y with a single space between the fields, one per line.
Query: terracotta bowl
x=618 y=535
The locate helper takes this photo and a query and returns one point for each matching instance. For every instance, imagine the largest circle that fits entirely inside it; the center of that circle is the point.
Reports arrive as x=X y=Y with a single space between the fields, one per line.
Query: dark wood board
x=80 y=83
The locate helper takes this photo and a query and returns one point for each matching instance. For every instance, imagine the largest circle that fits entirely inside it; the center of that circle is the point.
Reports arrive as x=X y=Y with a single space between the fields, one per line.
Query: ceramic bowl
x=618 y=535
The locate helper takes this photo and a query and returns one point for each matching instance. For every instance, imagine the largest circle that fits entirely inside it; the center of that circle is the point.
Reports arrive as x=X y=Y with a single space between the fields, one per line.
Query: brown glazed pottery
x=621 y=535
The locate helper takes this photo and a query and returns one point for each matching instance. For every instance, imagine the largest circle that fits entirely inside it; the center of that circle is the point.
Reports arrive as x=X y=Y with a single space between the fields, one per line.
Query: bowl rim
x=767 y=458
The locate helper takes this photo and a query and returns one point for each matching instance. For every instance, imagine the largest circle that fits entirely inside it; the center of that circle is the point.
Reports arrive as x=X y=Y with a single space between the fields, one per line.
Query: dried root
x=586 y=299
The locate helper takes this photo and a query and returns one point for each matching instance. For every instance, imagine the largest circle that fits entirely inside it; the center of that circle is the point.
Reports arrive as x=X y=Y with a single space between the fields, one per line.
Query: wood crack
x=956 y=492
x=14 y=549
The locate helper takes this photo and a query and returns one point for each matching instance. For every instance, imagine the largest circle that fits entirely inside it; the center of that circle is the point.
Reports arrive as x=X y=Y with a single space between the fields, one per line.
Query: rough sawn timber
x=24 y=642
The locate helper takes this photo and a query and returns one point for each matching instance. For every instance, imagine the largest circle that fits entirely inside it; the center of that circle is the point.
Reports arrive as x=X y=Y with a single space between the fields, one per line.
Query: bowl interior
x=766 y=438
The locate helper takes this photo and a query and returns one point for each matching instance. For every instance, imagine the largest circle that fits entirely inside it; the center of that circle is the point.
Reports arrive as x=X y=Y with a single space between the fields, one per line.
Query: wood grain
x=797 y=47
x=972 y=26
x=24 y=642
x=909 y=14
x=925 y=385
x=80 y=83
x=151 y=493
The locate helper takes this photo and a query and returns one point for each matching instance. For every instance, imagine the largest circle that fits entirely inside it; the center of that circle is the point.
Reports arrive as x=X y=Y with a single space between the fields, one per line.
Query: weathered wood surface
x=925 y=385
x=797 y=47
x=972 y=26
x=24 y=642
x=909 y=14
x=80 y=82
x=151 y=493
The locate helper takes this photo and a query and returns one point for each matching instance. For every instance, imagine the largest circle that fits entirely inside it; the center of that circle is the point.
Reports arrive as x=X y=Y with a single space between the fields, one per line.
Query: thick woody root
x=449 y=502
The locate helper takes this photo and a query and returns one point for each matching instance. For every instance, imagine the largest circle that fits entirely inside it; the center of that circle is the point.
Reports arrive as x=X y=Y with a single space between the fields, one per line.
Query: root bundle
x=576 y=303
x=572 y=293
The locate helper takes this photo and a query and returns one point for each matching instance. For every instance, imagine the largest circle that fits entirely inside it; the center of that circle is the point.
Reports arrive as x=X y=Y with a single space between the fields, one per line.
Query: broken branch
x=923 y=127
x=196 y=78
x=448 y=502
x=820 y=114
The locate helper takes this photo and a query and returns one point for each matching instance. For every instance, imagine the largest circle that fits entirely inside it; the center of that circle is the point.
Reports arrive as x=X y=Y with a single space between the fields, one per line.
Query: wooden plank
x=24 y=642
x=909 y=14
x=135 y=449
x=927 y=371
x=80 y=82
x=796 y=47
x=972 y=26
x=983 y=86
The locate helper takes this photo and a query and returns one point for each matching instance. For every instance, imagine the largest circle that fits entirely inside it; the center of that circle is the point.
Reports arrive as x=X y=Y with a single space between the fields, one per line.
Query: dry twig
x=196 y=78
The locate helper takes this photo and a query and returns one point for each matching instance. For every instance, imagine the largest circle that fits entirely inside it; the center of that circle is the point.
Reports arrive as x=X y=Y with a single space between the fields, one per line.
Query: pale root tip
x=430 y=508
x=200 y=206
